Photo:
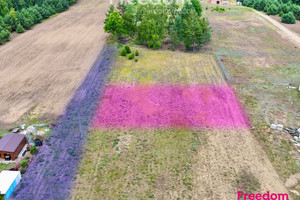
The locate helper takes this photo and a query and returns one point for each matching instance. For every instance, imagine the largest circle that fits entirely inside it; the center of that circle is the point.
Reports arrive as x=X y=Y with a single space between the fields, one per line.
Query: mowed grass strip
x=167 y=67
x=138 y=164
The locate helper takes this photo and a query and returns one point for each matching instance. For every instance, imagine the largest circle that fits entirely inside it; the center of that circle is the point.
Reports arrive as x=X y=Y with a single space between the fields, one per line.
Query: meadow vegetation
x=138 y=164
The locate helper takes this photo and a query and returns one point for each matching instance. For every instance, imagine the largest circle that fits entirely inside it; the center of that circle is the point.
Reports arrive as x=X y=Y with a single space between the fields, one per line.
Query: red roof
x=11 y=142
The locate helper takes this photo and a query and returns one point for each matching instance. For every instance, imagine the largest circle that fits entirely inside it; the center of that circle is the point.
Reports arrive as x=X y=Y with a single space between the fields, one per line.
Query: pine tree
x=20 y=29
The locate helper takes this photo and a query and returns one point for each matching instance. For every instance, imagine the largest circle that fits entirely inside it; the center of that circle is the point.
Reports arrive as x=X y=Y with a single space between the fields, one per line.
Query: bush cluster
x=131 y=56
x=288 y=10
x=22 y=170
x=218 y=9
x=33 y=150
x=288 y=18
x=20 y=15
x=24 y=163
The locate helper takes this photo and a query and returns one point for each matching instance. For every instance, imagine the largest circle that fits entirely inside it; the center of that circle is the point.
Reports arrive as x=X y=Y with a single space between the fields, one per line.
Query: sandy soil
x=45 y=65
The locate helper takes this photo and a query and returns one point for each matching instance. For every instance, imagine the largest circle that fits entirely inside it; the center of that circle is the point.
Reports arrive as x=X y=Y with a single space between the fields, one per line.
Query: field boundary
x=223 y=68
x=51 y=173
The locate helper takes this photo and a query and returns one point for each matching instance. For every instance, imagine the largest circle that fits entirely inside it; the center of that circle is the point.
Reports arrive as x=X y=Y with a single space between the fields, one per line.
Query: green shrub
x=136 y=53
x=136 y=60
x=24 y=163
x=2 y=197
x=296 y=11
x=20 y=29
x=119 y=45
x=27 y=158
x=272 y=10
x=127 y=48
x=157 y=45
x=4 y=36
x=280 y=14
x=288 y=18
x=123 y=52
x=22 y=170
x=131 y=56
x=218 y=9
x=206 y=8
x=33 y=150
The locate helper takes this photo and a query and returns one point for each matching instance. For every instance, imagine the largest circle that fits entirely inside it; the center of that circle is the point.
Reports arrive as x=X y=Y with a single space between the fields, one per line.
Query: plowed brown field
x=42 y=67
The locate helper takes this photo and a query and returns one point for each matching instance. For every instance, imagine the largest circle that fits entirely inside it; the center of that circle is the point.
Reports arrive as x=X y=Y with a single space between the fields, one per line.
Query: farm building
x=8 y=182
x=216 y=1
x=11 y=146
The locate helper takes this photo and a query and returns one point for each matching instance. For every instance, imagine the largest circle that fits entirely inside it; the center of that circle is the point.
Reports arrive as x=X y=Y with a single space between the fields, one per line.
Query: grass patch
x=137 y=164
x=165 y=67
x=247 y=182
x=6 y=166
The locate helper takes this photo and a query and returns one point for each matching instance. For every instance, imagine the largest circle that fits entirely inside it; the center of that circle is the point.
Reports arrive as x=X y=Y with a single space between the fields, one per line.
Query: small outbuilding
x=11 y=146
x=8 y=182
x=216 y=1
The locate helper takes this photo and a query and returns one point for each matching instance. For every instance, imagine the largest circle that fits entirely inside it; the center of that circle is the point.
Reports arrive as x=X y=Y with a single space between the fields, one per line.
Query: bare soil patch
x=42 y=67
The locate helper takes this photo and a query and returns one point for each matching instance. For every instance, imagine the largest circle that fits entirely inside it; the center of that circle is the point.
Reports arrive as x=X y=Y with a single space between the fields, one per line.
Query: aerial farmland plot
x=163 y=120
x=136 y=153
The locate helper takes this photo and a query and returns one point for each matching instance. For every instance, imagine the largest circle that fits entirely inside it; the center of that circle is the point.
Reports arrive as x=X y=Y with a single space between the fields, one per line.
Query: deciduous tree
x=114 y=24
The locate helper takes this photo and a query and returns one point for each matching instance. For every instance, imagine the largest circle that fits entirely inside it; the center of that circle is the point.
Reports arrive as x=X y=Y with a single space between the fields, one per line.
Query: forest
x=153 y=24
x=288 y=10
x=21 y=15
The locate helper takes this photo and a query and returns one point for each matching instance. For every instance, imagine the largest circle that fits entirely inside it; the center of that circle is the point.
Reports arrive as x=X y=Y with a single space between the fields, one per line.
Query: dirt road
x=283 y=31
x=45 y=65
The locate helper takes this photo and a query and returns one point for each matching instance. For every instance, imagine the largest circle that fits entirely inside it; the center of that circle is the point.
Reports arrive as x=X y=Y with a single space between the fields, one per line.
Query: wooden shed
x=11 y=145
x=216 y=1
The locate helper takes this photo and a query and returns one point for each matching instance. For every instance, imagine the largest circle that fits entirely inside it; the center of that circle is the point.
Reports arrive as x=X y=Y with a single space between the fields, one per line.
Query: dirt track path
x=45 y=65
x=283 y=31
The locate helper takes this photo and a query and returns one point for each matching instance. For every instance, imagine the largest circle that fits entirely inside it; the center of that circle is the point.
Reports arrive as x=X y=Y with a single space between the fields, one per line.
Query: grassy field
x=138 y=164
x=262 y=64
x=167 y=67
x=211 y=163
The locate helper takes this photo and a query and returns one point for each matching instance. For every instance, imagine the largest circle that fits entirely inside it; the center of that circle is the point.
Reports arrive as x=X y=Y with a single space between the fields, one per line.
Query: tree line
x=152 y=24
x=288 y=10
x=21 y=15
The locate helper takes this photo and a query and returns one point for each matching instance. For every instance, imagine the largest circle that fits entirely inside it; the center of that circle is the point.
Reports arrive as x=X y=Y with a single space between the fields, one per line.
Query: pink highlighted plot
x=140 y=106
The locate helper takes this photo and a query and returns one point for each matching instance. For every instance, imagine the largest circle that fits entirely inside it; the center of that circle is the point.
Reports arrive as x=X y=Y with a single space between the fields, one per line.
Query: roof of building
x=11 y=142
x=7 y=178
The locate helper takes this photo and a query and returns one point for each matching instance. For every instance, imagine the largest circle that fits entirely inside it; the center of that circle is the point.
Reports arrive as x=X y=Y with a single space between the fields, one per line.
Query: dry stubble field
x=162 y=163
x=43 y=67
